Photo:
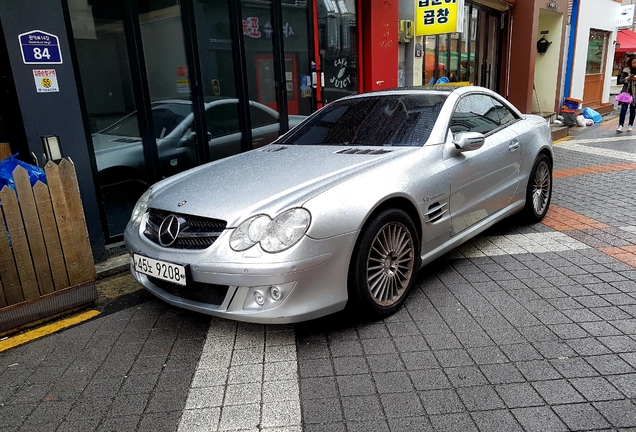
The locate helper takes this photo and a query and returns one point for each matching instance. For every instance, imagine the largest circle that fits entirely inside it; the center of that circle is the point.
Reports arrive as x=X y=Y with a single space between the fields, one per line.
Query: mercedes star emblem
x=169 y=230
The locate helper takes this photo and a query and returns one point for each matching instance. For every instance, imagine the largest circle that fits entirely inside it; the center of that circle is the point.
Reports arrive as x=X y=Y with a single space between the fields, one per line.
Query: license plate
x=167 y=271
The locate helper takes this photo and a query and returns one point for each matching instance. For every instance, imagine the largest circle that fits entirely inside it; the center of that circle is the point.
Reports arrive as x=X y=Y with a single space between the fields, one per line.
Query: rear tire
x=539 y=190
x=384 y=264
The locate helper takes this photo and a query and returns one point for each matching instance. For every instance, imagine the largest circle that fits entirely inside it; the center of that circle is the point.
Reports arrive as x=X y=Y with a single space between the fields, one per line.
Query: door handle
x=514 y=145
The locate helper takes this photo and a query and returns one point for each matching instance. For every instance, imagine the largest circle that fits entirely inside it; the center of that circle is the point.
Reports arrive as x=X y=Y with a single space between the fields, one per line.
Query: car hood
x=103 y=142
x=267 y=180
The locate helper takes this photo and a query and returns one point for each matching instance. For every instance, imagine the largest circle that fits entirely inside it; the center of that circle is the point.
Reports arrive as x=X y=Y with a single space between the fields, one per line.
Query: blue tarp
x=9 y=164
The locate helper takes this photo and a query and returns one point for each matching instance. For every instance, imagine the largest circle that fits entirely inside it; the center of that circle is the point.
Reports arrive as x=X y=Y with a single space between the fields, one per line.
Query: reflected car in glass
x=344 y=209
x=119 y=149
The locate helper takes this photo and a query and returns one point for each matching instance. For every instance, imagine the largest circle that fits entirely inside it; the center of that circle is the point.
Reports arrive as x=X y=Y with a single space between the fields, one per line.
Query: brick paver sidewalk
x=523 y=328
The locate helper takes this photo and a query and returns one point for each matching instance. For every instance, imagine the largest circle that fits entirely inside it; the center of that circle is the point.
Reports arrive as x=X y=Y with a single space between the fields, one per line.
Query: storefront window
x=217 y=71
x=259 y=57
x=338 y=48
x=103 y=62
x=429 y=60
x=297 y=64
x=596 y=52
x=169 y=84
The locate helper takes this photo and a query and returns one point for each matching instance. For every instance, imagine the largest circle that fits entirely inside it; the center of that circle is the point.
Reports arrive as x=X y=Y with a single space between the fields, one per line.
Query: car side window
x=475 y=113
x=165 y=121
x=222 y=119
x=505 y=115
x=260 y=117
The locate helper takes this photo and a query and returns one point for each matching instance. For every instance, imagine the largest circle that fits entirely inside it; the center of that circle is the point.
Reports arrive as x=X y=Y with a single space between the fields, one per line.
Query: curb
x=115 y=265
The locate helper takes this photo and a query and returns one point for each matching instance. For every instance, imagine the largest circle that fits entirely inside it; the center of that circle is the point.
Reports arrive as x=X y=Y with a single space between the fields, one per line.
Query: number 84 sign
x=39 y=47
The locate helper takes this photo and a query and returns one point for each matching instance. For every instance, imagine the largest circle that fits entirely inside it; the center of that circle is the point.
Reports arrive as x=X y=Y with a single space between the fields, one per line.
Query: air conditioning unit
x=405 y=33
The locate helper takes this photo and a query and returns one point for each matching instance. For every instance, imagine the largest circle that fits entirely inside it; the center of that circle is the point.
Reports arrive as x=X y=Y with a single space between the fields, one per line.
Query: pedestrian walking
x=627 y=78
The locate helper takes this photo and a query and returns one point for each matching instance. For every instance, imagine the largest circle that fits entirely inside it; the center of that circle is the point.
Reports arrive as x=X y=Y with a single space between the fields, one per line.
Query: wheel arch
x=400 y=203
x=548 y=153
x=355 y=300
x=396 y=202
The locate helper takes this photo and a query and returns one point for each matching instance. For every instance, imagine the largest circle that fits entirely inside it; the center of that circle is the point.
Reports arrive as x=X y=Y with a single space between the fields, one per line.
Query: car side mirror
x=467 y=141
x=187 y=139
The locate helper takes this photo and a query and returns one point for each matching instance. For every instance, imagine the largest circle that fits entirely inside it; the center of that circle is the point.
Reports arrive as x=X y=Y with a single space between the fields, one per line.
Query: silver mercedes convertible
x=344 y=209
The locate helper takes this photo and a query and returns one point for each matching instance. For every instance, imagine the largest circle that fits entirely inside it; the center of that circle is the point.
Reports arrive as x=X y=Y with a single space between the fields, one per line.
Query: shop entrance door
x=488 y=40
x=595 y=67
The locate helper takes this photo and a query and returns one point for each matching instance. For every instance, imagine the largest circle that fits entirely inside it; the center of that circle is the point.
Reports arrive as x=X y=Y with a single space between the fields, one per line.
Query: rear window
x=387 y=120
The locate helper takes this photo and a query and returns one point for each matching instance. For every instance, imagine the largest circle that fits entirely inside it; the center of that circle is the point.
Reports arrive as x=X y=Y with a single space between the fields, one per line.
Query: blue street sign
x=39 y=47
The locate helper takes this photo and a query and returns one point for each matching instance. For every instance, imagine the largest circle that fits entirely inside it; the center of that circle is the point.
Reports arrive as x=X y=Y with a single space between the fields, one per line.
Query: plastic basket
x=571 y=103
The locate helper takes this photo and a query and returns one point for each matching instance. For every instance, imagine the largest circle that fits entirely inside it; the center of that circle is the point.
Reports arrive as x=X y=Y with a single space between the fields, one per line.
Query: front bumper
x=310 y=278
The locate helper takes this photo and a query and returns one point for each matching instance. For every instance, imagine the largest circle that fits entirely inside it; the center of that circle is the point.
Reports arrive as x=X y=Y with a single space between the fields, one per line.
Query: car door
x=483 y=181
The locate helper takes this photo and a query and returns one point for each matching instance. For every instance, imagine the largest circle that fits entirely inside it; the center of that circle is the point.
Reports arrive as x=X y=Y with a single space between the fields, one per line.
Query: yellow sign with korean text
x=438 y=17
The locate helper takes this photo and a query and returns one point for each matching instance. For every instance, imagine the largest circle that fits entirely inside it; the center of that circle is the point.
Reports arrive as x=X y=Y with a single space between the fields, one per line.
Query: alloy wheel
x=541 y=188
x=390 y=264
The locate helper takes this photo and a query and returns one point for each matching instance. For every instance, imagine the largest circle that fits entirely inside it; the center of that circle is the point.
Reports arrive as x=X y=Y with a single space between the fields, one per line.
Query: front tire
x=384 y=264
x=539 y=190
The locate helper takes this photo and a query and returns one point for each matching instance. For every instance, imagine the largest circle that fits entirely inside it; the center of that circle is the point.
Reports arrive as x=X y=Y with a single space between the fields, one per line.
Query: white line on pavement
x=619 y=137
x=246 y=380
x=517 y=244
x=569 y=145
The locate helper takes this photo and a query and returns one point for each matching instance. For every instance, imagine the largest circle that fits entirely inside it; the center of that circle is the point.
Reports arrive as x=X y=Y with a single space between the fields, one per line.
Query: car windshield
x=165 y=116
x=383 y=120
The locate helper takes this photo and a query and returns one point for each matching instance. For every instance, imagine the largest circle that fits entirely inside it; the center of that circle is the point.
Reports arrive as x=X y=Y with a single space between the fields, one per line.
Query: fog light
x=259 y=298
x=275 y=293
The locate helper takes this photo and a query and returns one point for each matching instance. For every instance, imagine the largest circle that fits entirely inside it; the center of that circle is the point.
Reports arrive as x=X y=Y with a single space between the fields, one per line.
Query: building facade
x=593 y=42
x=136 y=91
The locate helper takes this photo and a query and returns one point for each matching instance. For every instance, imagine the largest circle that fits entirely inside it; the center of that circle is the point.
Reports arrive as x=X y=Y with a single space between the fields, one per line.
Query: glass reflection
x=169 y=84
x=103 y=62
x=338 y=48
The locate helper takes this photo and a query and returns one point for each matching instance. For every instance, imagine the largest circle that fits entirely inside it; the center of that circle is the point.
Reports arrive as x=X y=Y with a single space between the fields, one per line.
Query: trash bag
x=9 y=164
x=589 y=113
x=580 y=120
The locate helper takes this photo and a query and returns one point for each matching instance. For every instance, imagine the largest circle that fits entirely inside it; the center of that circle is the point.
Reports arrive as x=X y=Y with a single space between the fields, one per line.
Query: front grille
x=195 y=291
x=196 y=232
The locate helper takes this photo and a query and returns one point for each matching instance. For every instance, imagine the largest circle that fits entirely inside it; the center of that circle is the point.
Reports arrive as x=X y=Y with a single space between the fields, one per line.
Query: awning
x=626 y=41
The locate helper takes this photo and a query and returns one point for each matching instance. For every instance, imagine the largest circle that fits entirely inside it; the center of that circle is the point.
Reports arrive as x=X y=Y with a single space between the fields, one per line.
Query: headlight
x=276 y=235
x=140 y=209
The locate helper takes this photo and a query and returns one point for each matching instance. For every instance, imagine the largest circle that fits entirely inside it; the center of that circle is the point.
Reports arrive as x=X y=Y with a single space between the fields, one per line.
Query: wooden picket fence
x=46 y=262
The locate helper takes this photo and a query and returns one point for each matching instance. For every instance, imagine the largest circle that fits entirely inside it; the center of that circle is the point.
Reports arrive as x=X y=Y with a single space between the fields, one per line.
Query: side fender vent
x=436 y=211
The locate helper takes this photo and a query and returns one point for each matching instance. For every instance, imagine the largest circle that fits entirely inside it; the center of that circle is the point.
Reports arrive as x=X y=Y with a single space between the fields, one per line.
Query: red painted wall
x=379 y=44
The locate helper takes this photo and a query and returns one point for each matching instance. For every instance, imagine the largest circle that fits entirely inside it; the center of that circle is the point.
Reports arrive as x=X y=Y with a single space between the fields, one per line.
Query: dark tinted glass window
x=260 y=117
x=394 y=120
x=475 y=113
x=222 y=119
